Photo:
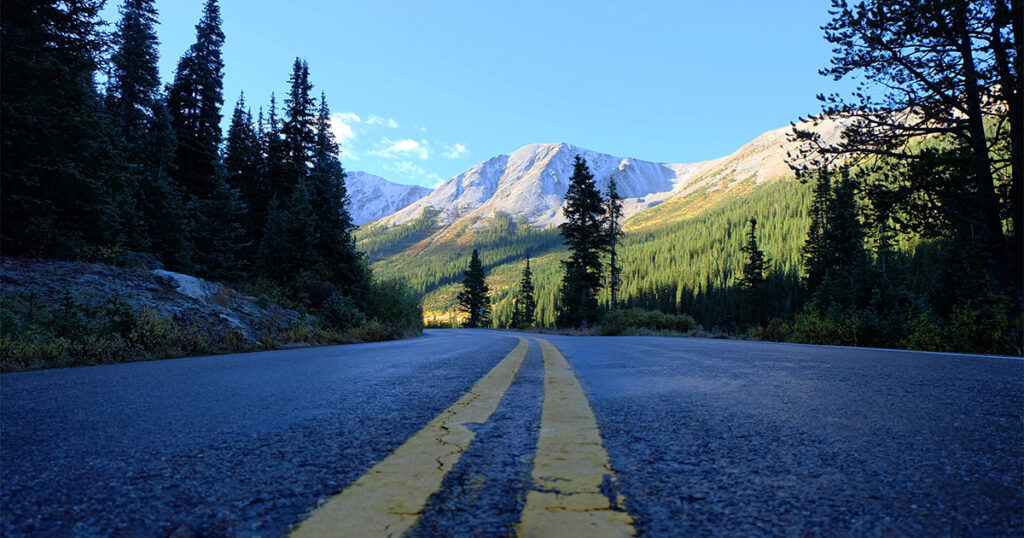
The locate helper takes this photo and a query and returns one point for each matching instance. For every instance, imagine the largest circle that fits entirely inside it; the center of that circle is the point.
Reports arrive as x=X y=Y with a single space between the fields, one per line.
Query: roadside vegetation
x=60 y=314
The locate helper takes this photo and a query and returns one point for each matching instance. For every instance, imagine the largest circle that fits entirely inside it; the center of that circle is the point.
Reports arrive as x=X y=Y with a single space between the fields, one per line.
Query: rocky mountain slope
x=372 y=197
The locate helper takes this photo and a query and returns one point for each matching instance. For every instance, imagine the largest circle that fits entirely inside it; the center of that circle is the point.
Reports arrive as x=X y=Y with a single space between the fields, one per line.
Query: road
x=471 y=432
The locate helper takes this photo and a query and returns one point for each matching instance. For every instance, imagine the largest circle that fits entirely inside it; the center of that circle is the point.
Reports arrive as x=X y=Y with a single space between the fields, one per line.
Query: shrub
x=266 y=292
x=776 y=330
x=635 y=320
x=396 y=307
x=832 y=328
x=924 y=333
x=340 y=312
x=117 y=317
x=372 y=331
x=312 y=293
x=982 y=325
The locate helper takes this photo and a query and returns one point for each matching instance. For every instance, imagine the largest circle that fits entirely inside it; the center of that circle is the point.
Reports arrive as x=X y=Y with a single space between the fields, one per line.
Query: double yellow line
x=569 y=466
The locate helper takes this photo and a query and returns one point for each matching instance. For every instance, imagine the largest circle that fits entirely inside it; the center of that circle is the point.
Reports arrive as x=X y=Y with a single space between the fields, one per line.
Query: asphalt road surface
x=490 y=433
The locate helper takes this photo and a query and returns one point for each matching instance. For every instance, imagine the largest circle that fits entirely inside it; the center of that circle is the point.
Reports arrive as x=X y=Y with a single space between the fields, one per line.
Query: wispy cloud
x=348 y=117
x=407 y=156
x=377 y=120
x=342 y=125
x=456 y=151
x=391 y=149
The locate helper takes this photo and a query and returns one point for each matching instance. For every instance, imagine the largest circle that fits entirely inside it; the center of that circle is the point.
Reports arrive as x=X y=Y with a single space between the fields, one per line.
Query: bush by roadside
x=640 y=322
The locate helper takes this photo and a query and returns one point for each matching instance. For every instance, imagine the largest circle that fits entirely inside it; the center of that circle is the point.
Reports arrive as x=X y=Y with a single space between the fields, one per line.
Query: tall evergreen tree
x=195 y=99
x=274 y=153
x=160 y=198
x=844 y=233
x=221 y=239
x=134 y=80
x=140 y=118
x=298 y=130
x=243 y=161
x=60 y=174
x=584 y=233
x=335 y=244
x=288 y=251
x=474 y=299
x=815 y=248
x=613 y=206
x=524 y=305
x=835 y=260
x=753 y=281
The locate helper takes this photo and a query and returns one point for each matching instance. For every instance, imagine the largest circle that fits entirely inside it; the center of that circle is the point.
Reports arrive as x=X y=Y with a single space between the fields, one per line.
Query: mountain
x=372 y=197
x=530 y=183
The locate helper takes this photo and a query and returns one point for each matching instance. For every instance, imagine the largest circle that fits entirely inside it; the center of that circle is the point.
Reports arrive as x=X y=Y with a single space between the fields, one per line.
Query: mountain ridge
x=530 y=182
x=372 y=197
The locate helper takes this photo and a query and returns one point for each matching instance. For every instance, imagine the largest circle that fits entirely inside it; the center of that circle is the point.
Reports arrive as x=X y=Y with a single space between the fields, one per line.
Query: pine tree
x=195 y=99
x=836 y=262
x=160 y=202
x=335 y=245
x=222 y=236
x=584 y=234
x=524 y=304
x=134 y=79
x=753 y=282
x=61 y=175
x=273 y=153
x=844 y=232
x=474 y=299
x=132 y=95
x=815 y=248
x=299 y=136
x=287 y=251
x=243 y=162
x=613 y=206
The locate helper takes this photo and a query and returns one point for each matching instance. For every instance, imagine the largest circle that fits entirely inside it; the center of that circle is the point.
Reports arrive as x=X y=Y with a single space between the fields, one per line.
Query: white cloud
x=342 y=127
x=456 y=151
x=377 y=120
x=390 y=149
x=348 y=117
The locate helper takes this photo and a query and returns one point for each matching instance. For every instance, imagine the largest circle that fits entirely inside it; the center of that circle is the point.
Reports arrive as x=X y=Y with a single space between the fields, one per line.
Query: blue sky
x=425 y=90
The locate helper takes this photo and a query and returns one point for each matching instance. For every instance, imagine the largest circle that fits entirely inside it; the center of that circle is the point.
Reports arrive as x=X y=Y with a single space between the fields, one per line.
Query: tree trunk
x=993 y=241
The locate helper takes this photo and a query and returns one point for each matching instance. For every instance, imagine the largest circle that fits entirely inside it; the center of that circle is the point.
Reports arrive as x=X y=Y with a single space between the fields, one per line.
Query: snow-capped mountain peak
x=532 y=181
x=372 y=197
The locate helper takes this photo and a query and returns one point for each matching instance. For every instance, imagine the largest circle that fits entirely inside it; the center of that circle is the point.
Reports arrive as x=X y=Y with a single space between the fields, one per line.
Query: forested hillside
x=692 y=247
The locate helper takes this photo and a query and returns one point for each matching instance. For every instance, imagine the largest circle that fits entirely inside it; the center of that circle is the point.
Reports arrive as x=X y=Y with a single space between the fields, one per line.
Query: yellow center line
x=388 y=499
x=570 y=464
